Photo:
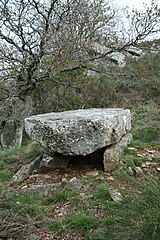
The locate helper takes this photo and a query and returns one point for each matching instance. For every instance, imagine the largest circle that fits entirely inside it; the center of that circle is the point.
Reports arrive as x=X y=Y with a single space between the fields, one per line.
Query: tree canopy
x=41 y=37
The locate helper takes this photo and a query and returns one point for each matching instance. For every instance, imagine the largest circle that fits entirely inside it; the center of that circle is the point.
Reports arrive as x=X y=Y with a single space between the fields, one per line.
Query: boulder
x=79 y=132
x=13 y=110
x=118 y=58
x=135 y=51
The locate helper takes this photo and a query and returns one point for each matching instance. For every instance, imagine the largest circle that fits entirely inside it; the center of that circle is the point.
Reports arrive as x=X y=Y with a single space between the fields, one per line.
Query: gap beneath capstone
x=60 y=161
x=92 y=161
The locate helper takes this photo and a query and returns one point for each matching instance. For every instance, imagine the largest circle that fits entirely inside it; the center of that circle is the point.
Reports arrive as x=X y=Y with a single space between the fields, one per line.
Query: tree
x=41 y=39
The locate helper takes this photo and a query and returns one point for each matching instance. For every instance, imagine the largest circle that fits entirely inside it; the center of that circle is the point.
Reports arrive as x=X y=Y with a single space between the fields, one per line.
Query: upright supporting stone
x=113 y=154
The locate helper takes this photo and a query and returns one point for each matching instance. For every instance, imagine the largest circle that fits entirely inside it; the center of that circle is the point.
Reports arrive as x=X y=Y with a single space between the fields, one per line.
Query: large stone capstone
x=79 y=132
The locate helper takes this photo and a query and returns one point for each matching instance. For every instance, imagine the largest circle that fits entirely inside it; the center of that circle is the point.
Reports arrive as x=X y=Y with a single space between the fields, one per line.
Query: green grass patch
x=55 y=226
x=19 y=205
x=157 y=159
x=99 y=235
x=26 y=198
x=30 y=150
x=147 y=135
x=130 y=163
x=102 y=192
x=35 y=151
x=139 y=160
x=81 y=222
x=62 y=195
x=129 y=151
x=135 y=161
x=3 y=176
x=12 y=159
x=137 y=144
x=122 y=174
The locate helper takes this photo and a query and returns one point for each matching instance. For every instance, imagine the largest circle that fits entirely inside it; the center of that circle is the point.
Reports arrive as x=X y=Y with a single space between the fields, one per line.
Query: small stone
x=99 y=230
x=34 y=176
x=138 y=170
x=64 y=180
x=75 y=184
x=158 y=169
x=144 y=165
x=140 y=155
x=147 y=163
x=110 y=178
x=132 y=148
x=25 y=186
x=24 y=172
x=130 y=171
x=151 y=151
x=115 y=195
x=93 y=173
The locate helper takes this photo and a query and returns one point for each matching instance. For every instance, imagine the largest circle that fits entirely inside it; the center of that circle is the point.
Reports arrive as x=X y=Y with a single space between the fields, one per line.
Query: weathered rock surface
x=113 y=153
x=79 y=132
x=134 y=51
x=118 y=58
x=13 y=110
x=54 y=161
x=115 y=195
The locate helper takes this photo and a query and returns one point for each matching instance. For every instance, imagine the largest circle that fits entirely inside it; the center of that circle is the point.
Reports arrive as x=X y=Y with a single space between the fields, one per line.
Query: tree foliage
x=39 y=39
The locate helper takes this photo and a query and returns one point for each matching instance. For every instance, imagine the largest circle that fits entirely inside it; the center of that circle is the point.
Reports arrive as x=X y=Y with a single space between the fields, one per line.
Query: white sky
x=136 y=3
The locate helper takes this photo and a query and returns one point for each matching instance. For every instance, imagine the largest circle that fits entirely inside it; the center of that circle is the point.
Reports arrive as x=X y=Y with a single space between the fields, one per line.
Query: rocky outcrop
x=120 y=57
x=81 y=132
x=13 y=110
x=134 y=51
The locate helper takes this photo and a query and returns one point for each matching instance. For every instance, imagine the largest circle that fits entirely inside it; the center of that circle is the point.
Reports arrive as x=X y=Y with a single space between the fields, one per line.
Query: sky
x=136 y=3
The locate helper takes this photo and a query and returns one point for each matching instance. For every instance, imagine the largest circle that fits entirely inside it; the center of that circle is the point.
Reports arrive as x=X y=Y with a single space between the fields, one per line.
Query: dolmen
x=82 y=132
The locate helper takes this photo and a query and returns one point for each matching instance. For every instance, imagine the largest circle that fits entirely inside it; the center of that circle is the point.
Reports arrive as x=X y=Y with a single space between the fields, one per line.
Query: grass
x=142 y=214
x=12 y=159
x=3 y=176
x=134 y=161
x=139 y=160
x=29 y=149
x=121 y=174
x=55 y=226
x=136 y=217
x=81 y=222
x=137 y=144
x=102 y=192
x=147 y=135
x=157 y=159
x=63 y=196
